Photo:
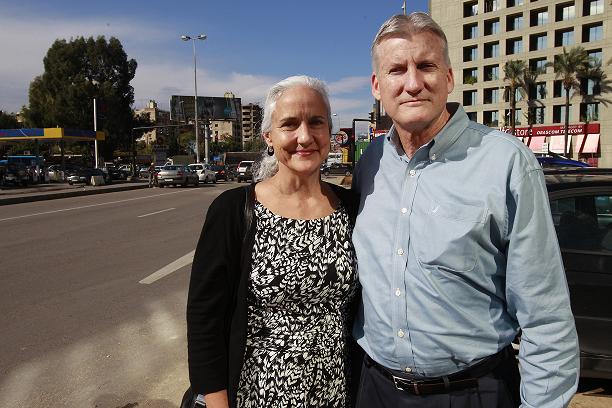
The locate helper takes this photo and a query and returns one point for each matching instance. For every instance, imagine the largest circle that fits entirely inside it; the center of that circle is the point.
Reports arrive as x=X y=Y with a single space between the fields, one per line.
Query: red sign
x=555 y=130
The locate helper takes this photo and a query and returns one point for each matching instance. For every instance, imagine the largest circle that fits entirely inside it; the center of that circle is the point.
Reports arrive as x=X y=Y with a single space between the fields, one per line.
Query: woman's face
x=300 y=131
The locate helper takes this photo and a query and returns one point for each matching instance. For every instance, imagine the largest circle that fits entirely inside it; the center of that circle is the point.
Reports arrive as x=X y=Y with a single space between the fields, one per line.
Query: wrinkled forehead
x=408 y=45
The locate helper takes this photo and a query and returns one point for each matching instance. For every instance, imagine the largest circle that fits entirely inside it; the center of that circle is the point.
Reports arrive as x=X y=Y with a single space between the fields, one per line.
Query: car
x=84 y=175
x=244 y=170
x=581 y=207
x=221 y=172
x=16 y=174
x=205 y=175
x=553 y=160
x=337 y=169
x=177 y=174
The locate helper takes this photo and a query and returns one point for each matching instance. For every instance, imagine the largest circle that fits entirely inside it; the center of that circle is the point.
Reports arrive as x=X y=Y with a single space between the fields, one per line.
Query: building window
x=539 y=91
x=470 y=53
x=471 y=116
x=491 y=50
x=514 y=22
x=517 y=116
x=538 y=64
x=470 y=76
x=470 y=31
x=470 y=8
x=538 y=17
x=592 y=7
x=514 y=46
x=559 y=113
x=514 y=3
x=595 y=55
x=491 y=5
x=491 y=118
x=491 y=95
x=592 y=32
x=590 y=87
x=564 y=37
x=537 y=42
x=589 y=112
x=492 y=26
x=537 y=115
x=469 y=98
x=565 y=11
x=491 y=72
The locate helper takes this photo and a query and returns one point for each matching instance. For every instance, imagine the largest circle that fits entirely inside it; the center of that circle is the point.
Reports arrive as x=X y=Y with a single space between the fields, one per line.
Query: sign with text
x=553 y=130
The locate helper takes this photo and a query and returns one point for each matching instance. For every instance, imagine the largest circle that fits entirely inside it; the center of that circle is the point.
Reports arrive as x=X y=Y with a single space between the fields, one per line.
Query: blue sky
x=250 y=45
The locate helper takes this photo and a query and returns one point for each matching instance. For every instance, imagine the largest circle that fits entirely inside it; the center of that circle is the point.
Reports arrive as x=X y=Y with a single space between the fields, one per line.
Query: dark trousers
x=497 y=389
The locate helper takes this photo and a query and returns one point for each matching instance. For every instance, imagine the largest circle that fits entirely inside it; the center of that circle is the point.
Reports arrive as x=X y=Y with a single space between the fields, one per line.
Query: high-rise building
x=251 y=122
x=484 y=34
x=157 y=117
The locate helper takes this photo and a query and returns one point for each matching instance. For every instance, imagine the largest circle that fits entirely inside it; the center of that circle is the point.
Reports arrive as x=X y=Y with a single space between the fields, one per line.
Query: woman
x=269 y=298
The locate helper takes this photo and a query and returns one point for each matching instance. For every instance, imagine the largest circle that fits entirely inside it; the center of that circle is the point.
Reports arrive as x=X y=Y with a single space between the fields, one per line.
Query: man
x=456 y=248
x=152 y=175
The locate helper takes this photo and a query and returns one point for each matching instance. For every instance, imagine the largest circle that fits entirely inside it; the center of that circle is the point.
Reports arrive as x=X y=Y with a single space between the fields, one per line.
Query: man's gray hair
x=406 y=26
x=267 y=166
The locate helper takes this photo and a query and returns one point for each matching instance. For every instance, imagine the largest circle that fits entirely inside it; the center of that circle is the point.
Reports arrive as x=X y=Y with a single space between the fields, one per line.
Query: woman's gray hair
x=405 y=26
x=267 y=166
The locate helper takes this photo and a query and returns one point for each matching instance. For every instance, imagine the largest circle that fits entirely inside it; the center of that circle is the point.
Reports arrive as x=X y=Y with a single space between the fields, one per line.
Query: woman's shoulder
x=230 y=200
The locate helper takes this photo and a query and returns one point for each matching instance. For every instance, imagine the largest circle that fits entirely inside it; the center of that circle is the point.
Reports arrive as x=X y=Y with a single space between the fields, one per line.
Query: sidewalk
x=51 y=191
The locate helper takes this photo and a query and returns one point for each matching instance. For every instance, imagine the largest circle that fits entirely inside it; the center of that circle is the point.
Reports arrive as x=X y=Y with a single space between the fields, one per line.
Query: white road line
x=157 y=212
x=95 y=205
x=168 y=269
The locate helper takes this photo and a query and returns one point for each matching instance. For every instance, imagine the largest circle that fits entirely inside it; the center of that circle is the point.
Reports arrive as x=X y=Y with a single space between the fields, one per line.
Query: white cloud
x=348 y=85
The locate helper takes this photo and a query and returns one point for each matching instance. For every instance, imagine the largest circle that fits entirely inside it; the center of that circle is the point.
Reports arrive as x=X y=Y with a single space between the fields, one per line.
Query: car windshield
x=196 y=166
x=215 y=168
x=170 y=168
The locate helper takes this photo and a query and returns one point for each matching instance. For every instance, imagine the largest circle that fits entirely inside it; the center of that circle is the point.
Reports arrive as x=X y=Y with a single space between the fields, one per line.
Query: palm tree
x=568 y=66
x=528 y=82
x=513 y=71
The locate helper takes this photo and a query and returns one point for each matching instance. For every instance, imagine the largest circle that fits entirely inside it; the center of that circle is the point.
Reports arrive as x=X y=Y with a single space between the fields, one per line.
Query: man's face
x=412 y=80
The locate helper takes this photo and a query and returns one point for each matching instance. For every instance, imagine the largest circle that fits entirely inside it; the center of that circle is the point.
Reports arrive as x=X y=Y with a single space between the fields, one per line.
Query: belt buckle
x=413 y=385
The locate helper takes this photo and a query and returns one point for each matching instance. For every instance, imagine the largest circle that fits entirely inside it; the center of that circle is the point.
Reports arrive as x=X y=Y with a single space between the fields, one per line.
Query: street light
x=195 y=81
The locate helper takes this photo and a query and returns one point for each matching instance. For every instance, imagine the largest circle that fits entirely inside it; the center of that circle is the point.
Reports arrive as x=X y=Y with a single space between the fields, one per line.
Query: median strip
x=168 y=269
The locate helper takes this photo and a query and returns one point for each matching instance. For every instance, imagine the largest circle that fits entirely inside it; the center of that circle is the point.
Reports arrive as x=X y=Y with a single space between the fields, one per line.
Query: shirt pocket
x=446 y=235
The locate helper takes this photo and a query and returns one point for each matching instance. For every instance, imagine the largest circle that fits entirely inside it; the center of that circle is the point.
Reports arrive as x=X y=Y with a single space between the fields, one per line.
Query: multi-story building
x=251 y=122
x=157 y=117
x=484 y=34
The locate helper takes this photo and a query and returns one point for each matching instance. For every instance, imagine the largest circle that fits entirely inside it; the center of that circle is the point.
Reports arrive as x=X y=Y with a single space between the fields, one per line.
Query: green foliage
x=256 y=144
x=8 y=121
x=513 y=76
x=77 y=71
x=470 y=80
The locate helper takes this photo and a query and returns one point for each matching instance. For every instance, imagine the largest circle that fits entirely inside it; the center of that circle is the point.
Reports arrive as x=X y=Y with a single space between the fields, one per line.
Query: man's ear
x=375 y=89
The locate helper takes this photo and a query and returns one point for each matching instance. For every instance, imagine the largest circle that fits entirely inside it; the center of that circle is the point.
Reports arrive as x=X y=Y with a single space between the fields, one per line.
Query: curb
x=66 y=194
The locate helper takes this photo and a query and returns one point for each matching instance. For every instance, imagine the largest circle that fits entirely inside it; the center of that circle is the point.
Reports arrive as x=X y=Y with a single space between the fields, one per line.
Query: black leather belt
x=461 y=380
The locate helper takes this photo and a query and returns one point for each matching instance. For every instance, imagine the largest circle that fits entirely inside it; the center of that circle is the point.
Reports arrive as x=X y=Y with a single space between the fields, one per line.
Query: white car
x=204 y=173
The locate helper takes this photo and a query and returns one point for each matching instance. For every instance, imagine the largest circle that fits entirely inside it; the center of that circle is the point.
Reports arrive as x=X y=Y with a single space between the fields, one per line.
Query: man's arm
x=537 y=294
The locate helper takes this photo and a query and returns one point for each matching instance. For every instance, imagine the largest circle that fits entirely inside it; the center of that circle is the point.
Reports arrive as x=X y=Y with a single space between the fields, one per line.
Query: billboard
x=209 y=107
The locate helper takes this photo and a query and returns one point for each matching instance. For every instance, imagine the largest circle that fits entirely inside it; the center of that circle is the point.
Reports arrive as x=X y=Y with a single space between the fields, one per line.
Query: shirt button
x=404 y=210
x=408 y=369
x=400 y=251
x=400 y=333
x=398 y=292
x=412 y=173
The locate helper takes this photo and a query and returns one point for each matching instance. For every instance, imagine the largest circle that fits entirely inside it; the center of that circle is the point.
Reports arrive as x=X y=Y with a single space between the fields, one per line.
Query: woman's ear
x=266 y=138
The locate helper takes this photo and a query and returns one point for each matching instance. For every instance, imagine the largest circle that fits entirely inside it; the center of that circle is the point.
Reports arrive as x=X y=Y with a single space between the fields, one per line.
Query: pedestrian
x=274 y=271
x=456 y=248
x=152 y=175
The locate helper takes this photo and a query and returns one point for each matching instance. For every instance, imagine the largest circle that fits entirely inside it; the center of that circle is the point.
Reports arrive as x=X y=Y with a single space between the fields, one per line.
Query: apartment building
x=157 y=117
x=251 y=122
x=484 y=34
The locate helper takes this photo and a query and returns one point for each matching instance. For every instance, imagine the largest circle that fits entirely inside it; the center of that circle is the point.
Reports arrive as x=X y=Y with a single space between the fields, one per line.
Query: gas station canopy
x=50 y=134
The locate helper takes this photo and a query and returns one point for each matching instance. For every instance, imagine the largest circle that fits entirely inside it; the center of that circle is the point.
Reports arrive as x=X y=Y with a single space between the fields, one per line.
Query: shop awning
x=57 y=134
x=590 y=144
x=535 y=143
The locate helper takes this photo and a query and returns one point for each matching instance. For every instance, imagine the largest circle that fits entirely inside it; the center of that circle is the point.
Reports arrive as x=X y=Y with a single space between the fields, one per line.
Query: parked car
x=176 y=175
x=54 y=171
x=115 y=173
x=553 y=160
x=581 y=207
x=232 y=171
x=343 y=169
x=16 y=174
x=84 y=175
x=245 y=170
x=220 y=171
x=205 y=175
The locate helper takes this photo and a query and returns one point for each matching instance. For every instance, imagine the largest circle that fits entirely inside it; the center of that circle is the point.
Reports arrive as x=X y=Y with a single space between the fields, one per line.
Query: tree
x=568 y=66
x=513 y=71
x=529 y=81
x=8 y=121
x=77 y=71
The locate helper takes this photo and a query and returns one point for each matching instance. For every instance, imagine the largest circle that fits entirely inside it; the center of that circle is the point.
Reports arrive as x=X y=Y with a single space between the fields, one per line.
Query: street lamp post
x=195 y=81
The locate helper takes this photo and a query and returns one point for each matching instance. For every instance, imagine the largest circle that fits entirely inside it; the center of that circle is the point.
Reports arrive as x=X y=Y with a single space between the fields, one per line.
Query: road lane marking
x=168 y=269
x=95 y=205
x=157 y=212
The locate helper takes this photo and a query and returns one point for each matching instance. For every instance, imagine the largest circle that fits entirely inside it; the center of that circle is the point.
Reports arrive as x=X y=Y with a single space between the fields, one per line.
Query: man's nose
x=413 y=83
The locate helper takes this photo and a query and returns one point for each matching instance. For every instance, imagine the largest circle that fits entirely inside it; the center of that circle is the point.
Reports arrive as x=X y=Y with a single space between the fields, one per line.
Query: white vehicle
x=205 y=175
x=334 y=157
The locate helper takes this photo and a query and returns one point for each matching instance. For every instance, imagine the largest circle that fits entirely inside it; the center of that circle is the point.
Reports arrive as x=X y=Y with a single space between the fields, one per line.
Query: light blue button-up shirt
x=457 y=251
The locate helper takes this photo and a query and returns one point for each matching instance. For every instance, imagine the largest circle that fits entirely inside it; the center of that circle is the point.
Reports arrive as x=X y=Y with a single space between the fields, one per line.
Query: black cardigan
x=216 y=304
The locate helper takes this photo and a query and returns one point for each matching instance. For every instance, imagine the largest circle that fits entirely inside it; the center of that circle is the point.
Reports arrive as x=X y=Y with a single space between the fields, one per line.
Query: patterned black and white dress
x=302 y=281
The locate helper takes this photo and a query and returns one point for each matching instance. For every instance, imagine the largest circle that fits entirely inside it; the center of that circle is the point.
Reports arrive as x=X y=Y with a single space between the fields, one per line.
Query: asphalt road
x=78 y=327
